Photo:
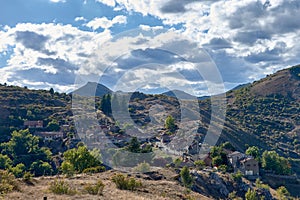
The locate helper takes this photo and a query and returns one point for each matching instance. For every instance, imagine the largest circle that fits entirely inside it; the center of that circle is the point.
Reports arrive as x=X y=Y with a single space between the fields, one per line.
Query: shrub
x=27 y=177
x=61 y=187
x=223 y=168
x=142 y=167
x=5 y=162
x=67 y=168
x=92 y=170
x=124 y=183
x=96 y=189
x=237 y=176
x=18 y=170
x=186 y=177
x=8 y=182
x=200 y=164
x=283 y=193
x=251 y=195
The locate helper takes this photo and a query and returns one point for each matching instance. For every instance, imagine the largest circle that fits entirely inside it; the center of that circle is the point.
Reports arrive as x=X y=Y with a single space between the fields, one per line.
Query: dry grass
x=163 y=189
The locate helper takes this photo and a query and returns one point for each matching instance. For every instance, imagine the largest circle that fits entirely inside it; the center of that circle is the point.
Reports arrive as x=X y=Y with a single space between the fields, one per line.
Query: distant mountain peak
x=92 y=89
x=179 y=94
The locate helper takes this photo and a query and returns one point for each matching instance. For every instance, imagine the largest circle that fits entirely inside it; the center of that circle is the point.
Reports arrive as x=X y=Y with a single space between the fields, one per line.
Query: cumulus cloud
x=51 y=54
x=255 y=34
x=105 y=23
x=80 y=19
x=164 y=59
x=244 y=38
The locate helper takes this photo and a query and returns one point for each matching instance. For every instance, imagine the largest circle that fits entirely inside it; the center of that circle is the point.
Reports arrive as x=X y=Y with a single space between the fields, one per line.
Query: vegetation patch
x=94 y=189
x=8 y=182
x=61 y=187
x=125 y=183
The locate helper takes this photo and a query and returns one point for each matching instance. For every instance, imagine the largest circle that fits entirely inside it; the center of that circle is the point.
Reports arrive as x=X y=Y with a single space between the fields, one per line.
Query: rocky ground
x=159 y=185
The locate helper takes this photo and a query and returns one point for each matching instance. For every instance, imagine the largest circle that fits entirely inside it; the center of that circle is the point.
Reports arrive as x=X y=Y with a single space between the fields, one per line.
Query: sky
x=199 y=46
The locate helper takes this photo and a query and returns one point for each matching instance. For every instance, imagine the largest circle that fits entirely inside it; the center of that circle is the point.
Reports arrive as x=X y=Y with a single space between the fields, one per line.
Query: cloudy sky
x=149 y=45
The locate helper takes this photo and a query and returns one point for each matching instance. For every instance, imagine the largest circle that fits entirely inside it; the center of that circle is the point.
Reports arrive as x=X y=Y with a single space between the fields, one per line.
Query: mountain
x=92 y=89
x=179 y=94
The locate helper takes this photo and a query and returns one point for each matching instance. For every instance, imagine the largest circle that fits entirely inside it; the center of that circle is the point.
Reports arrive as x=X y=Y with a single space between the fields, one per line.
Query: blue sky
x=146 y=45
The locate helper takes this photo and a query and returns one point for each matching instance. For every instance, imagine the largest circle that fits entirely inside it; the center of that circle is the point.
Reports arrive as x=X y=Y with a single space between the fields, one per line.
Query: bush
x=61 y=187
x=18 y=170
x=283 y=193
x=96 y=189
x=200 y=164
x=67 y=168
x=8 y=182
x=223 y=168
x=124 y=183
x=93 y=170
x=27 y=177
x=237 y=176
x=142 y=167
x=251 y=195
x=186 y=178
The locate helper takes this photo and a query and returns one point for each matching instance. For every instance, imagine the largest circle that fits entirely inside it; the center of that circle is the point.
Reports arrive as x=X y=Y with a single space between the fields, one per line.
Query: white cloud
x=48 y=53
x=80 y=19
x=245 y=38
x=105 y=23
x=111 y=3
x=257 y=35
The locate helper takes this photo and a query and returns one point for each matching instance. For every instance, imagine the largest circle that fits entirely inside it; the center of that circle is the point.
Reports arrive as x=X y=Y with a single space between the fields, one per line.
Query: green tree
x=23 y=148
x=228 y=145
x=53 y=126
x=67 y=168
x=134 y=145
x=105 y=104
x=5 y=162
x=251 y=195
x=81 y=158
x=253 y=151
x=51 y=91
x=200 y=164
x=170 y=124
x=283 y=193
x=18 y=170
x=40 y=168
x=272 y=161
x=217 y=161
x=186 y=177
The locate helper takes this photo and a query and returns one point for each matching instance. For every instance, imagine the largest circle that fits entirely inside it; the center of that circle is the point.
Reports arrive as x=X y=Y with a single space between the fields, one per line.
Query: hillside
x=266 y=113
x=20 y=104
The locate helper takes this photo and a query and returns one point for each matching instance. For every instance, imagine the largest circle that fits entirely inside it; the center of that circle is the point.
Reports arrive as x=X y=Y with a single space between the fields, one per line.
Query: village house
x=47 y=136
x=34 y=124
x=234 y=158
x=244 y=163
x=208 y=160
x=249 y=167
